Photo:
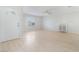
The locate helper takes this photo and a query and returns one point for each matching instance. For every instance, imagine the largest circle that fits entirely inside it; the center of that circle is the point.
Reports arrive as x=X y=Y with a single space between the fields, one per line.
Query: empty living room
x=39 y=28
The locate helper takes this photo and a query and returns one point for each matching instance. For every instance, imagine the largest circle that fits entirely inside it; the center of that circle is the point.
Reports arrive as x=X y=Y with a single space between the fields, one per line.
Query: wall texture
x=50 y=23
x=10 y=23
x=72 y=19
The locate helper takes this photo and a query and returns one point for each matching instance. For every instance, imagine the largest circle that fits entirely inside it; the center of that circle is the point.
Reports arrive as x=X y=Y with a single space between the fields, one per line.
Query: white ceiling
x=40 y=10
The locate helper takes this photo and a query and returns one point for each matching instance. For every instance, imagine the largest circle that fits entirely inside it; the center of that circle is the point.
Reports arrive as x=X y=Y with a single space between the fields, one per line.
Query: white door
x=9 y=24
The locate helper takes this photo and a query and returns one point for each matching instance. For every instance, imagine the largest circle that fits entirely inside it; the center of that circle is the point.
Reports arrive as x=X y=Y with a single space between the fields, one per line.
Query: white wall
x=9 y=23
x=1 y=28
x=60 y=15
x=72 y=19
x=50 y=23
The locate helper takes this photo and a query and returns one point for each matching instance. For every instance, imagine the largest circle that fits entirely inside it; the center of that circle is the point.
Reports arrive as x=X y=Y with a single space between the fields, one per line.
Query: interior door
x=9 y=24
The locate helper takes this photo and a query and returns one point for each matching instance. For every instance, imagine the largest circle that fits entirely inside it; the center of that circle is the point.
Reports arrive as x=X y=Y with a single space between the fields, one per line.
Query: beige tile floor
x=43 y=41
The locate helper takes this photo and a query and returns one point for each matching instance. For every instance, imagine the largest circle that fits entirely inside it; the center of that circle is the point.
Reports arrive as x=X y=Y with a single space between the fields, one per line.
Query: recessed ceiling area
x=45 y=10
